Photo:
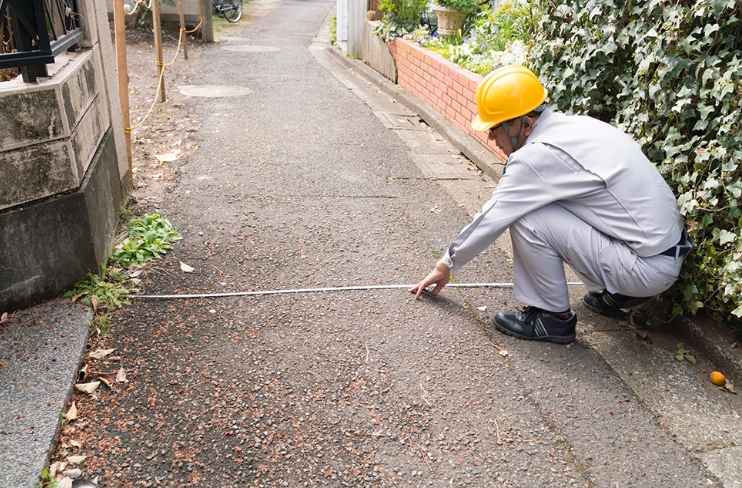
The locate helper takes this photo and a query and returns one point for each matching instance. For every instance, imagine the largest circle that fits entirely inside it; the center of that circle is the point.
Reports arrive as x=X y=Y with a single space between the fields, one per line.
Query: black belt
x=681 y=248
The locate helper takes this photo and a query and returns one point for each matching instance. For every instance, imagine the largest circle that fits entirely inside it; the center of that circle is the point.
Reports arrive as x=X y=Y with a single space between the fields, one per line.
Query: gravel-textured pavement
x=301 y=184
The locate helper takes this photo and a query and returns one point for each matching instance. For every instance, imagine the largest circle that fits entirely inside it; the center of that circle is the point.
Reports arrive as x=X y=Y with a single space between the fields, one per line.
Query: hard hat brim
x=480 y=125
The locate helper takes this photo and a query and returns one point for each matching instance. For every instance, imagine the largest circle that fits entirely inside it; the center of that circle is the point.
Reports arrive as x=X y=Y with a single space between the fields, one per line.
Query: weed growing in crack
x=148 y=237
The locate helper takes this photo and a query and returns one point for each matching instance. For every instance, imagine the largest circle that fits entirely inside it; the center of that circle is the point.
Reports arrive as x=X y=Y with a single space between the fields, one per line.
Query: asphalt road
x=301 y=184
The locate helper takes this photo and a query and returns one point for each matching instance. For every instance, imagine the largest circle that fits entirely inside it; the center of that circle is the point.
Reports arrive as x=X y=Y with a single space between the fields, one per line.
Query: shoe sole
x=555 y=339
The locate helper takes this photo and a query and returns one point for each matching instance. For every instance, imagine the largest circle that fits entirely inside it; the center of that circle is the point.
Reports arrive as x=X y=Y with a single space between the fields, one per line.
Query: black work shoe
x=610 y=304
x=533 y=323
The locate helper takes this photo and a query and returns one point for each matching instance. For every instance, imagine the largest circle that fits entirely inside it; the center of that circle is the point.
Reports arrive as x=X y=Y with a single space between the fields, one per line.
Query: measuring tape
x=316 y=290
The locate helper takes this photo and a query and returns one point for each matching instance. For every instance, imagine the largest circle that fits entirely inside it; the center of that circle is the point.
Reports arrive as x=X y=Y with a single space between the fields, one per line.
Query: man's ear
x=528 y=125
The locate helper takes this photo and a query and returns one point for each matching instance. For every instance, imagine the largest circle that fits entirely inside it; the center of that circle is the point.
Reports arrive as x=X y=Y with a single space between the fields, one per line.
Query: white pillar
x=356 y=17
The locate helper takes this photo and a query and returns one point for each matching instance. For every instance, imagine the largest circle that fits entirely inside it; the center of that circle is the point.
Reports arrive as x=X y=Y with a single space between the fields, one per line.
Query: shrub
x=669 y=75
x=469 y=6
x=400 y=17
x=490 y=39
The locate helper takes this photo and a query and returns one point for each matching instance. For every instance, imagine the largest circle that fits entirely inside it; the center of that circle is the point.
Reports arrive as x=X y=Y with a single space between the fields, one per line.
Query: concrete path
x=318 y=176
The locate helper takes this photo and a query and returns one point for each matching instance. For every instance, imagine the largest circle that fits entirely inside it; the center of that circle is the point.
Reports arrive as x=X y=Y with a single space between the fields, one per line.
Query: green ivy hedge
x=668 y=73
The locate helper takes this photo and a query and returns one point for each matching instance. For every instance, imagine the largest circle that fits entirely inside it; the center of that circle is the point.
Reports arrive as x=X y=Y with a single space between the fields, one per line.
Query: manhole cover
x=233 y=39
x=214 y=91
x=248 y=48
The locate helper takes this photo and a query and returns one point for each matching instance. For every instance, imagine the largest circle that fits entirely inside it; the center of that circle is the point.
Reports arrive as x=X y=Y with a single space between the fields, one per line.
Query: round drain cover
x=233 y=39
x=248 y=48
x=214 y=91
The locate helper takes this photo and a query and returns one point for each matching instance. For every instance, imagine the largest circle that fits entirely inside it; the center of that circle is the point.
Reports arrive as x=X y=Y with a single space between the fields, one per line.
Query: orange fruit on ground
x=717 y=378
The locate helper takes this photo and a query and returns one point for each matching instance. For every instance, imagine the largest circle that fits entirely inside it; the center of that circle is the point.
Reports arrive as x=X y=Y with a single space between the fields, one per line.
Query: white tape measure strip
x=315 y=290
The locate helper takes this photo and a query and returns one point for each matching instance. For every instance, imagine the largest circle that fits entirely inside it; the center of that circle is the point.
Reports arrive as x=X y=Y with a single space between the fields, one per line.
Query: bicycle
x=230 y=9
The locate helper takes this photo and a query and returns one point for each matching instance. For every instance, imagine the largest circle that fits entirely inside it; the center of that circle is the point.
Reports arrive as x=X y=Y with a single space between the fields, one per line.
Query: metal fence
x=33 y=32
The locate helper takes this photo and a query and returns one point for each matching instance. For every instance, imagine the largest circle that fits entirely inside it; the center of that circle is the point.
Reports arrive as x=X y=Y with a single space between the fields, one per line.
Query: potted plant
x=452 y=14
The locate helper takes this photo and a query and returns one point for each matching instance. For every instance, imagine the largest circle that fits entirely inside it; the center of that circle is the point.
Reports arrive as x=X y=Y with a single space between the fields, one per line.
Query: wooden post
x=123 y=77
x=184 y=40
x=207 y=30
x=158 y=48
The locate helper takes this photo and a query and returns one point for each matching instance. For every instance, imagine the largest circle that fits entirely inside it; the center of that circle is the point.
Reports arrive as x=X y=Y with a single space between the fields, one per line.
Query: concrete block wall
x=442 y=84
x=50 y=130
x=63 y=169
x=375 y=53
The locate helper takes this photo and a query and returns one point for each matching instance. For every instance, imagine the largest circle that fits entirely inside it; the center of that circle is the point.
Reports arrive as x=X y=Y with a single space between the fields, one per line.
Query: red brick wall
x=443 y=85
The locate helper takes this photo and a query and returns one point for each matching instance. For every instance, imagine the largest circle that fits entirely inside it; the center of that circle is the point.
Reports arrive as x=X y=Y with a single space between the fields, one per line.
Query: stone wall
x=63 y=169
x=375 y=52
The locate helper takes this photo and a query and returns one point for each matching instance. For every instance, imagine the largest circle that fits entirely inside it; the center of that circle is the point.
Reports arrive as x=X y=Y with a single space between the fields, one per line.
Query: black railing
x=32 y=32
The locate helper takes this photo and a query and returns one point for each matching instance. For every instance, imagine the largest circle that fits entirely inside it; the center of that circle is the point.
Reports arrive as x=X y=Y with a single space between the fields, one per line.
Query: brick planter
x=445 y=86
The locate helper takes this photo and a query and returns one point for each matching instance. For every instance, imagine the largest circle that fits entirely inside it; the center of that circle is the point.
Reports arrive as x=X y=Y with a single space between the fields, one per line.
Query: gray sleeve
x=535 y=176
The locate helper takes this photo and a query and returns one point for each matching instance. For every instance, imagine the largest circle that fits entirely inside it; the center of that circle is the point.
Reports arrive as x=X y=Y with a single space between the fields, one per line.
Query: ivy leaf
x=720 y=5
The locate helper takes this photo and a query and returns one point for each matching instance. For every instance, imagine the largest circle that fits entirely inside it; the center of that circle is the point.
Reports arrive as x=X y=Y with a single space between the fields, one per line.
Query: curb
x=714 y=340
x=486 y=161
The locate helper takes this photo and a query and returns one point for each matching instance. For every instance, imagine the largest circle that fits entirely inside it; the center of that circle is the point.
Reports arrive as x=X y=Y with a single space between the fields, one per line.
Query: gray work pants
x=551 y=235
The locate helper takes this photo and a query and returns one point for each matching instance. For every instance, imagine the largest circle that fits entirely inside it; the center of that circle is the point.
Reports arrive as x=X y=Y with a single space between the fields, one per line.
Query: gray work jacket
x=591 y=169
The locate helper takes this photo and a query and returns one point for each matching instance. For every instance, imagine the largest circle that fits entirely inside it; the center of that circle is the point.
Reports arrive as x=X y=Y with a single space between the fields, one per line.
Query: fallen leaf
x=623 y=322
x=690 y=359
x=73 y=473
x=121 y=376
x=481 y=309
x=87 y=387
x=640 y=333
x=84 y=372
x=729 y=386
x=94 y=302
x=64 y=482
x=76 y=459
x=71 y=413
x=135 y=273
x=53 y=468
x=166 y=158
x=101 y=353
x=735 y=345
x=185 y=268
x=76 y=297
x=74 y=443
x=136 y=281
x=106 y=378
x=4 y=317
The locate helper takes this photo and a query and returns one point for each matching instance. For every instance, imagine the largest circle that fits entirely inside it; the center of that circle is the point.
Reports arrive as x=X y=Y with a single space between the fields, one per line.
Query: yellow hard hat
x=505 y=94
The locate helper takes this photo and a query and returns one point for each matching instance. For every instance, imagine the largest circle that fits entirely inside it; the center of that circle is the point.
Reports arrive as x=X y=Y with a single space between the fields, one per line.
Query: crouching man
x=574 y=190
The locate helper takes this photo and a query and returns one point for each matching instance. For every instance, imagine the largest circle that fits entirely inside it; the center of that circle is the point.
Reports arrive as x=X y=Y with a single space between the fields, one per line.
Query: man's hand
x=439 y=276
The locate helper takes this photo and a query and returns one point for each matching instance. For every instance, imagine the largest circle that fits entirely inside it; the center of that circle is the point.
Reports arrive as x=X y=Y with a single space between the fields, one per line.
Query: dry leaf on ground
x=729 y=386
x=76 y=459
x=71 y=413
x=4 y=317
x=640 y=333
x=166 y=158
x=106 y=378
x=101 y=353
x=185 y=268
x=87 y=387
x=64 y=482
x=121 y=376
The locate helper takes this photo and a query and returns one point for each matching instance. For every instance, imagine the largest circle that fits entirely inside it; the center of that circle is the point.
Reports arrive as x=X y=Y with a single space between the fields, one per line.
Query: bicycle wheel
x=232 y=10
